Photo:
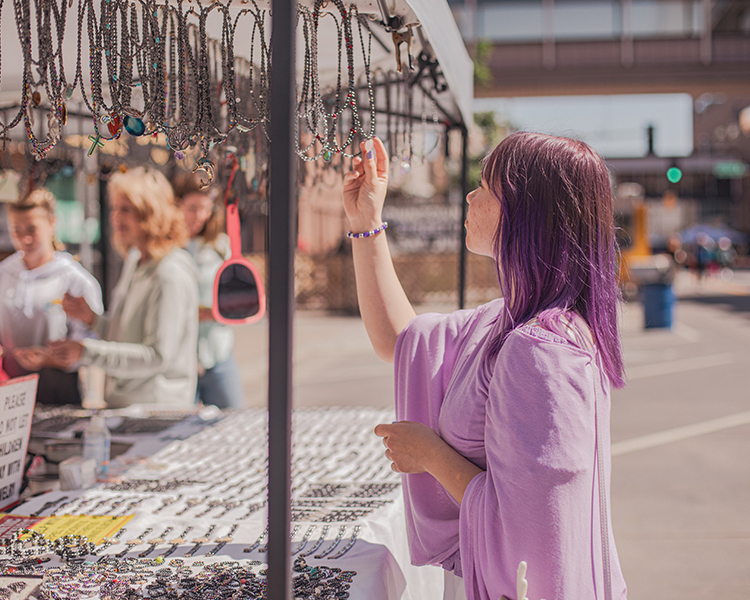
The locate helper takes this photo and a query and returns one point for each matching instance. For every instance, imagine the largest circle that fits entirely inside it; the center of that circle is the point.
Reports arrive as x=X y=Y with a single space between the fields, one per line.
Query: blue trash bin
x=658 y=302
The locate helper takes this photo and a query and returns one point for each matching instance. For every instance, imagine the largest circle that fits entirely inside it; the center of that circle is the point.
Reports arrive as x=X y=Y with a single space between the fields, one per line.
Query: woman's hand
x=410 y=446
x=76 y=307
x=32 y=358
x=415 y=448
x=66 y=352
x=365 y=187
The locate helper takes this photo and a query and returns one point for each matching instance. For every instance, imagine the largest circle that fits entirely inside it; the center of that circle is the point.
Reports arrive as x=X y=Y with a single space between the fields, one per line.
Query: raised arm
x=383 y=304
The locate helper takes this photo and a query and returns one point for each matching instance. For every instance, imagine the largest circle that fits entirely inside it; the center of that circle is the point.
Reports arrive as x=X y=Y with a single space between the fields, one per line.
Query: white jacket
x=150 y=333
x=30 y=309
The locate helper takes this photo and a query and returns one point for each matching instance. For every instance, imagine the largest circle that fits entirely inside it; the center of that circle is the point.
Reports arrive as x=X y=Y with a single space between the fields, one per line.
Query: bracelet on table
x=366 y=234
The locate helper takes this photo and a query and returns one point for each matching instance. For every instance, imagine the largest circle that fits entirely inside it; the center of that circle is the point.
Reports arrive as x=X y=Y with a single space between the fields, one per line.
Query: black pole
x=650 y=138
x=282 y=216
x=464 y=193
x=104 y=243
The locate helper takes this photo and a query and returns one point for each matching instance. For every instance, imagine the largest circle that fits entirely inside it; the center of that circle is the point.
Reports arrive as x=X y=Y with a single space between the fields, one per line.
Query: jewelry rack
x=179 y=75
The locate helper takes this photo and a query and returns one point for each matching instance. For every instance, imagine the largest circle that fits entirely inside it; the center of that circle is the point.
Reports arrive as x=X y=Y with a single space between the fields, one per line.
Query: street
x=680 y=430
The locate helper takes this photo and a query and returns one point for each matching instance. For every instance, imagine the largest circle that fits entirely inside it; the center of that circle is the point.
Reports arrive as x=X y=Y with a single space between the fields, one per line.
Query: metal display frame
x=282 y=213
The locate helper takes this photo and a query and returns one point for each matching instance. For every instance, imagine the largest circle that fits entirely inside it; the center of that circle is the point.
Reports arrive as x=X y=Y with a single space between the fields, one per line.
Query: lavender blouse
x=528 y=420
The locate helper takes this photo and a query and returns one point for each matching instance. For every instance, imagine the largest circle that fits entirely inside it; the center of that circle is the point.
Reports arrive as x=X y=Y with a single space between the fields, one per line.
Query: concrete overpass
x=706 y=51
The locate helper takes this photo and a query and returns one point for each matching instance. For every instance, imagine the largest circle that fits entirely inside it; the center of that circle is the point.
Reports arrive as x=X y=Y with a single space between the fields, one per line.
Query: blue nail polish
x=370 y=155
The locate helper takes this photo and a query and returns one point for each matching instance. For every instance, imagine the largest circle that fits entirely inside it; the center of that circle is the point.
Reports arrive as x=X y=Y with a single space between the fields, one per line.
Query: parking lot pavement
x=681 y=435
x=680 y=430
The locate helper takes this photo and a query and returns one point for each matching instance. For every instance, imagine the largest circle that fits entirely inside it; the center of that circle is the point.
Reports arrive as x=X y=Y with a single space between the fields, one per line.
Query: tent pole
x=282 y=218
x=464 y=193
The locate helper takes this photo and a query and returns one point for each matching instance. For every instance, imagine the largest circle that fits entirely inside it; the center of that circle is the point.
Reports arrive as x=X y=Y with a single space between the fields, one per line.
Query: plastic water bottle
x=96 y=441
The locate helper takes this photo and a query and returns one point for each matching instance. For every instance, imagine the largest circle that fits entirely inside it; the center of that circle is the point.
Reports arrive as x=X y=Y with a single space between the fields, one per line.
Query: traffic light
x=674 y=174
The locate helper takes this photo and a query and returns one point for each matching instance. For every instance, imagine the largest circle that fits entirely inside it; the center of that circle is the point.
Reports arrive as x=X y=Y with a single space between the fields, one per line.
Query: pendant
x=134 y=126
x=97 y=141
x=326 y=155
x=178 y=138
x=53 y=126
x=115 y=126
x=69 y=91
x=63 y=114
x=36 y=98
x=206 y=165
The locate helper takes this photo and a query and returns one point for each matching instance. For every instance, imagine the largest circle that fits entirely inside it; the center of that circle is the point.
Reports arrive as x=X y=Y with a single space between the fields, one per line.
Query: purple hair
x=555 y=243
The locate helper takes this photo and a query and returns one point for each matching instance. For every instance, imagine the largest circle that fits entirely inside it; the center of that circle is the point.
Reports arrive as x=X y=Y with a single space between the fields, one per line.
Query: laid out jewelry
x=49 y=504
x=257 y=542
x=318 y=544
x=263 y=549
x=251 y=509
x=228 y=506
x=303 y=541
x=175 y=543
x=222 y=541
x=130 y=506
x=99 y=504
x=168 y=502
x=73 y=548
x=371 y=490
x=346 y=514
x=334 y=543
x=109 y=541
x=133 y=543
x=155 y=542
x=200 y=541
x=320 y=581
x=189 y=503
x=211 y=505
x=349 y=544
x=74 y=506
x=325 y=490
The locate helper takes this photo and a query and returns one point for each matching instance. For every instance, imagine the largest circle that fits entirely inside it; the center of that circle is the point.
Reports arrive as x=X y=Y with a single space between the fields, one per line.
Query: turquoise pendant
x=326 y=155
x=134 y=126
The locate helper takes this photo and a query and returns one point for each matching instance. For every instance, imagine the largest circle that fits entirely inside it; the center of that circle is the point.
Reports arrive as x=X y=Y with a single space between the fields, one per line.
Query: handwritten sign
x=17 y=398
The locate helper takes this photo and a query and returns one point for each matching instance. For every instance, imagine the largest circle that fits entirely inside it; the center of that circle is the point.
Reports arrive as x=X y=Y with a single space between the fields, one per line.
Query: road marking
x=680 y=433
x=678 y=366
x=687 y=333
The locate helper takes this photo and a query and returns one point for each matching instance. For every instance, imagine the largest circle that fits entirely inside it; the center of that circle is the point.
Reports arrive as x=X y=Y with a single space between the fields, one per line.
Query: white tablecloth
x=338 y=465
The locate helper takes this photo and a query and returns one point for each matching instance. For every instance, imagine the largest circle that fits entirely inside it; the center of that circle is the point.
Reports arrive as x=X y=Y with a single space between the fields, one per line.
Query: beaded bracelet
x=365 y=234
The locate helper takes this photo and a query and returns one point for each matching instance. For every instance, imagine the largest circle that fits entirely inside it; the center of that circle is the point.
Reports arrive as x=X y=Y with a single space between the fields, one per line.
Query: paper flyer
x=94 y=527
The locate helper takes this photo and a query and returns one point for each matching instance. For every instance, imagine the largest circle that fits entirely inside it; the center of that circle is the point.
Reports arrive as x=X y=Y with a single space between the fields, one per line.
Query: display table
x=198 y=507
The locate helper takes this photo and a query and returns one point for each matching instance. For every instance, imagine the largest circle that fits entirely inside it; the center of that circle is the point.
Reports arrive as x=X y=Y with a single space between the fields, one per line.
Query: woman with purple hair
x=503 y=432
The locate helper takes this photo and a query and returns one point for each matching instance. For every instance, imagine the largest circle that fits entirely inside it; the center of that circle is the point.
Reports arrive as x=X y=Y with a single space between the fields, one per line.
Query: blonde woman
x=219 y=381
x=32 y=284
x=149 y=334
